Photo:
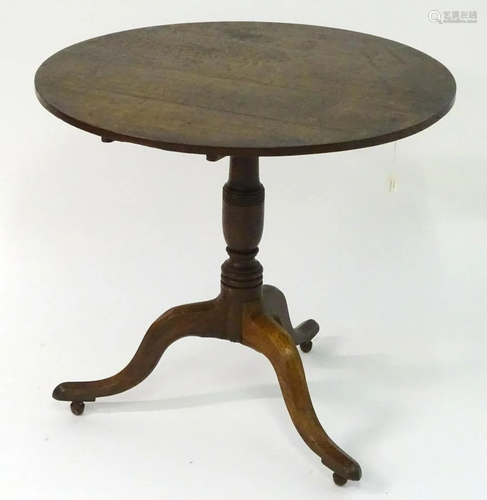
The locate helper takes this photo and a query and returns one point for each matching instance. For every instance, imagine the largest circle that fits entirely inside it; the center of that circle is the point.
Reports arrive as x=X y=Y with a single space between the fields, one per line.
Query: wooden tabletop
x=246 y=88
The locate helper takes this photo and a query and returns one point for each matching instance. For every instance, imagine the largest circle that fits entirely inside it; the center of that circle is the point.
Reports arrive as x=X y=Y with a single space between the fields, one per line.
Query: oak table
x=243 y=90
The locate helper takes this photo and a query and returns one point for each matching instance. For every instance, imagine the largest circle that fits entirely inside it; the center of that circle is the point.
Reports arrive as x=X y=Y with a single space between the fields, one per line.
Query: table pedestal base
x=246 y=311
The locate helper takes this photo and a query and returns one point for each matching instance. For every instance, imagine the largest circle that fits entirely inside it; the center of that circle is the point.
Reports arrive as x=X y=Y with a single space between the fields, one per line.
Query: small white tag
x=392 y=185
x=392 y=181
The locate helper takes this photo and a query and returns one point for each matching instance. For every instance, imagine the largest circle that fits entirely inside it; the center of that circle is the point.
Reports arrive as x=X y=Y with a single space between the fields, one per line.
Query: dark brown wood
x=339 y=480
x=243 y=90
x=203 y=319
x=243 y=224
x=214 y=158
x=262 y=333
x=246 y=88
x=275 y=305
x=245 y=311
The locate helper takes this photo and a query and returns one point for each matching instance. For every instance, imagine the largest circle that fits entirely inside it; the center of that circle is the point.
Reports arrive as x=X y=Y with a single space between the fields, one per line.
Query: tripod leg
x=266 y=336
x=275 y=305
x=203 y=319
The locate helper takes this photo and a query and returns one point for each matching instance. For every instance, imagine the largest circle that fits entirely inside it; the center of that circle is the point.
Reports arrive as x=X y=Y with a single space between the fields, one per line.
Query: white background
x=97 y=240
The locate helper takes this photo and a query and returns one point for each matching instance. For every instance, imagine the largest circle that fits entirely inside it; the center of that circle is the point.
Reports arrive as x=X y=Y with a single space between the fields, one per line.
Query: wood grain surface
x=246 y=88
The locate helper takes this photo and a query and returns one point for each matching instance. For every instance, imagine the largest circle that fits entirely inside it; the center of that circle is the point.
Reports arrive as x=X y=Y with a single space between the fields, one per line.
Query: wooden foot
x=201 y=319
x=262 y=333
x=275 y=305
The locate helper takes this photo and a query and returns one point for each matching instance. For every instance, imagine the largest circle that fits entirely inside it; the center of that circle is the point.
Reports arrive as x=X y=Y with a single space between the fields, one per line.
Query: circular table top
x=246 y=88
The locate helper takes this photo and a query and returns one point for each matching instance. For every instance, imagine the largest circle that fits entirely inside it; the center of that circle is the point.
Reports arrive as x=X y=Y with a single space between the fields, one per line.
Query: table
x=243 y=90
